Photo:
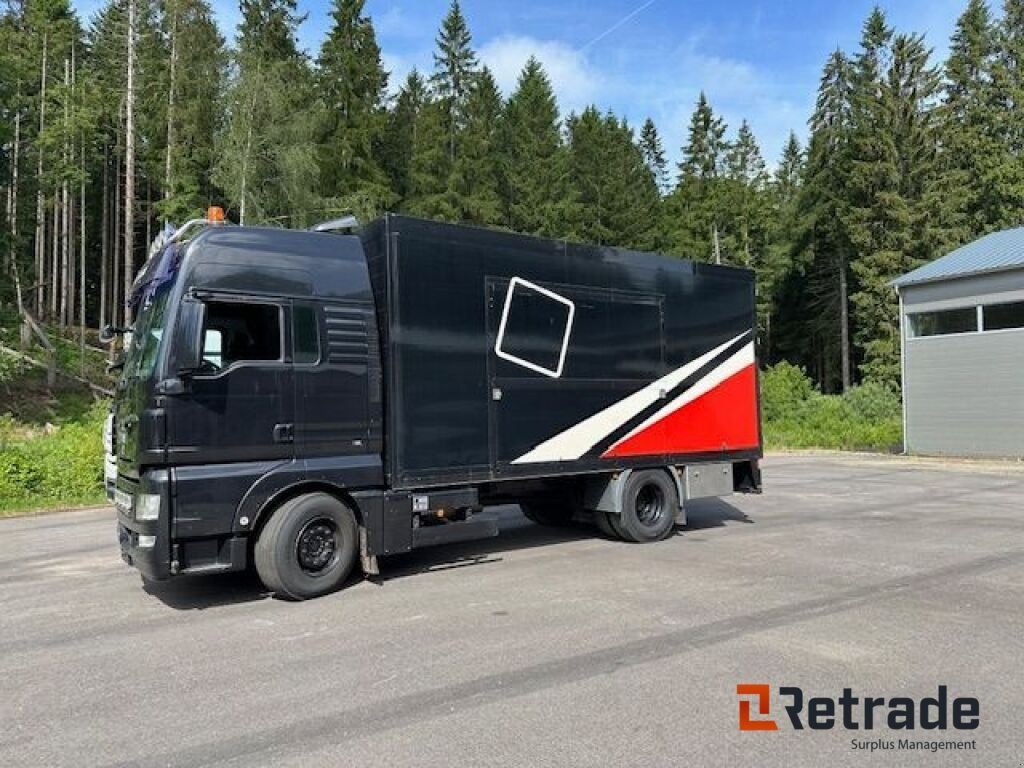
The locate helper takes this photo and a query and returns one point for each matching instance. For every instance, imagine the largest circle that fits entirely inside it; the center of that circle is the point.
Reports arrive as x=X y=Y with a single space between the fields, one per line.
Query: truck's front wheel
x=308 y=547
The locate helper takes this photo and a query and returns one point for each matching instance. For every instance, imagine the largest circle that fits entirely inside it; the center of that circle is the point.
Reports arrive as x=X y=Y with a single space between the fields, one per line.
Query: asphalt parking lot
x=541 y=647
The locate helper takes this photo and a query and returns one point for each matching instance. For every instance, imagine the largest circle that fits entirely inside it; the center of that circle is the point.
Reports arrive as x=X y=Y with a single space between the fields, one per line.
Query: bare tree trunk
x=844 y=324
x=12 y=219
x=73 y=294
x=245 y=159
x=172 y=86
x=40 y=242
x=129 y=161
x=55 y=257
x=81 y=257
x=116 y=310
x=104 y=239
x=149 y=217
x=245 y=173
x=65 y=219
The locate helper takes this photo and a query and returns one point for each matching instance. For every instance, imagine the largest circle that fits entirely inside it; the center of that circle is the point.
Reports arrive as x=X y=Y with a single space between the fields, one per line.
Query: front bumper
x=145 y=544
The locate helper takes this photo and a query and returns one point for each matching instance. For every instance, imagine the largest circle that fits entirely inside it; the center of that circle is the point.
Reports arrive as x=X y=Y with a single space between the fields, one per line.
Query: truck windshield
x=148 y=332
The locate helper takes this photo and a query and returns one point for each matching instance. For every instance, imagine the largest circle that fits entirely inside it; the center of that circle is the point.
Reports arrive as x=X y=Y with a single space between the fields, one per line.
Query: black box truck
x=303 y=401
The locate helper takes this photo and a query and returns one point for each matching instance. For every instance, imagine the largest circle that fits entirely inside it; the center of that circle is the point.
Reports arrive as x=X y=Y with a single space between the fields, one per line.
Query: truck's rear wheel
x=605 y=522
x=308 y=547
x=649 y=506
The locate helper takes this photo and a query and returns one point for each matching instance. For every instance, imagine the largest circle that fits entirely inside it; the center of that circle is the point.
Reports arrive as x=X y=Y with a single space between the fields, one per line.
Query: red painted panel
x=723 y=419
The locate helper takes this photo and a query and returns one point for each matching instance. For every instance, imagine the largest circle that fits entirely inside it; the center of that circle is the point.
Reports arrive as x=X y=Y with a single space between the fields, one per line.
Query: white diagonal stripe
x=743 y=358
x=580 y=438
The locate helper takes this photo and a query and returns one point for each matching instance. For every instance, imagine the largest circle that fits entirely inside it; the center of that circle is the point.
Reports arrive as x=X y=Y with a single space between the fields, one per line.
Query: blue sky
x=757 y=59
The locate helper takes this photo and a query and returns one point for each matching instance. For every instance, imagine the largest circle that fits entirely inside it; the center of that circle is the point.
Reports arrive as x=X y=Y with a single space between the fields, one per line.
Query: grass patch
x=51 y=447
x=796 y=415
x=56 y=465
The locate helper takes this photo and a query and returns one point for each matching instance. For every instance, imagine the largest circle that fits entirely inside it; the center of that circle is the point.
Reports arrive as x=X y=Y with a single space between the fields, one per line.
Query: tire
x=603 y=521
x=308 y=547
x=549 y=512
x=649 y=506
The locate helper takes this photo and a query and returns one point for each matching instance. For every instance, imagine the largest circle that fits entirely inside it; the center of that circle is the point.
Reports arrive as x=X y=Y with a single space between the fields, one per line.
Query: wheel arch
x=300 y=488
x=604 y=492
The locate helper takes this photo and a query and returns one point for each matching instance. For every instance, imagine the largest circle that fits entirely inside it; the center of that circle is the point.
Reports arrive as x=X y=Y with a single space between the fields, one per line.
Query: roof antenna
x=337 y=225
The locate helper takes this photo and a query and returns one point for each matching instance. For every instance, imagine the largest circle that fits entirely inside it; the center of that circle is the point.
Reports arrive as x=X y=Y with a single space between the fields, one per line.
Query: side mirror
x=187 y=349
x=110 y=332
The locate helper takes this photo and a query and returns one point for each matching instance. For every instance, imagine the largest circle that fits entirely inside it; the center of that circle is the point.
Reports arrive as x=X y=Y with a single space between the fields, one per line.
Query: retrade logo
x=852 y=712
x=762 y=693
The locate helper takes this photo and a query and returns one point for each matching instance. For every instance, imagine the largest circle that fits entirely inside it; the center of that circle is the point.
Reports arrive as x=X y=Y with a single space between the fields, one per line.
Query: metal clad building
x=962 y=336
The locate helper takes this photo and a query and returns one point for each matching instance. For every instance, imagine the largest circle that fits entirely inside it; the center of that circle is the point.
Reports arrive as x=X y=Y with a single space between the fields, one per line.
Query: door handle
x=284 y=433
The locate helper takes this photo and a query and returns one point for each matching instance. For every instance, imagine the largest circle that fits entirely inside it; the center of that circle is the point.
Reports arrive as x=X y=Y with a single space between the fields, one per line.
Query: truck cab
x=250 y=370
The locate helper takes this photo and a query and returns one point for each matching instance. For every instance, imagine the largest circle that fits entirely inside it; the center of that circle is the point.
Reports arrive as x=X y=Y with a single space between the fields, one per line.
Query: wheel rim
x=317 y=545
x=650 y=505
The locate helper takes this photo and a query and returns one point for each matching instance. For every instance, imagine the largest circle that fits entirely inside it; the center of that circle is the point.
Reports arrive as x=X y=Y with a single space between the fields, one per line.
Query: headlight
x=147 y=506
x=108 y=433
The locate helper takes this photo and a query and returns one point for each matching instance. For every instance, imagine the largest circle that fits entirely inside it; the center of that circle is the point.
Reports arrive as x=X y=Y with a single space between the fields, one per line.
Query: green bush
x=11 y=367
x=784 y=390
x=62 y=466
x=797 y=415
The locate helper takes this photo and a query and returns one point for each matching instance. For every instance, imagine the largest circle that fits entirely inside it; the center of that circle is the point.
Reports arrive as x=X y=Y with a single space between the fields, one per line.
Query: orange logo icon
x=763 y=694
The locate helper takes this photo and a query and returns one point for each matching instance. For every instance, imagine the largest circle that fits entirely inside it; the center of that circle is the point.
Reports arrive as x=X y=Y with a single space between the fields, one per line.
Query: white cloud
x=397 y=67
x=396 y=23
x=575 y=80
x=735 y=88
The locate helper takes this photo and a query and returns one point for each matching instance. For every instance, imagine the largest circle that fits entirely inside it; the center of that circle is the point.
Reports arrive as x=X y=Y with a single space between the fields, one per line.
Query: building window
x=943 y=322
x=1000 y=317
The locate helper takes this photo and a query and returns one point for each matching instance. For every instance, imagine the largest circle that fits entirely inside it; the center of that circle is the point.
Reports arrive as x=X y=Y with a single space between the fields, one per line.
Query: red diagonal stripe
x=724 y=418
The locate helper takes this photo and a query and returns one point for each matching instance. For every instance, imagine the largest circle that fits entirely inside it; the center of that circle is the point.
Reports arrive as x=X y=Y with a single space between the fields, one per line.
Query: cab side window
x=240 y=332
x=306 y=335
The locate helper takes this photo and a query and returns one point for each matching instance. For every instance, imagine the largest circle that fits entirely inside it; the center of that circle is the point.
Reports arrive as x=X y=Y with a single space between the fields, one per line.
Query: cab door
x=337 y=379
x=239 y=405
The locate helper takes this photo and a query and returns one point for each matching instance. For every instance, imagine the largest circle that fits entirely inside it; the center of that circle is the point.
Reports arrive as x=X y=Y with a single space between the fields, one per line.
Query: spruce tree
x=200 y=61
x=895 y=222
x=705 y=147
x=267 y=159
x=972 y=152
x=789 y=171
x=871 y=181
x=746 y=211
x=430 y=166
x=812 y=327
x=694 y=207
x=1004 y=187
x=400 y=136
x=351 y=84
x=654 y=154
x=455 y=66
x=615 y=199
x=476 y=174
x=782 y=241
x=533 y=166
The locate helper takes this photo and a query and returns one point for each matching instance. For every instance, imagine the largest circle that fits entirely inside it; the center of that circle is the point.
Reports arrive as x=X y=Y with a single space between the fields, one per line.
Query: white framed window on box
x=517 y=282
